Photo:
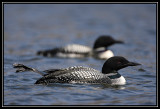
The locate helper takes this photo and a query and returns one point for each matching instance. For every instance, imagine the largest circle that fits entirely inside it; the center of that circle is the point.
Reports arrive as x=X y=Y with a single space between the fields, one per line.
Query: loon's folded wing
x=77 y=74
x=76 y=48
x=61 y=72
x=63 y=51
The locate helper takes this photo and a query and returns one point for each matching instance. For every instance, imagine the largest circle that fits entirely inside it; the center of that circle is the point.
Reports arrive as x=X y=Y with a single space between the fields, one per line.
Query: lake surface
x=29 y=28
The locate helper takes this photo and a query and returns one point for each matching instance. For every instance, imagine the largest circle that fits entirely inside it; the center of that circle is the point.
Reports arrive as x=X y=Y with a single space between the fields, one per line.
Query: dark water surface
x=32 y=27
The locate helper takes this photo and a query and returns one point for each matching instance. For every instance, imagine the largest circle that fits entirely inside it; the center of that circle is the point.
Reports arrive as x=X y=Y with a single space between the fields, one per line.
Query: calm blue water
x=32 y=27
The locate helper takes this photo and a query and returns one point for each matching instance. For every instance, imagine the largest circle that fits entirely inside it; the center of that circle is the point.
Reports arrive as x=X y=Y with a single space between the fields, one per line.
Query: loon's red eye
x=118 y=62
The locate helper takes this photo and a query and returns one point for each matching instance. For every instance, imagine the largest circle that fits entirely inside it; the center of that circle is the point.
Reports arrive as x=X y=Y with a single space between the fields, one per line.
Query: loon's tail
x=49 y=53
x=43 y=53
x=23 y=68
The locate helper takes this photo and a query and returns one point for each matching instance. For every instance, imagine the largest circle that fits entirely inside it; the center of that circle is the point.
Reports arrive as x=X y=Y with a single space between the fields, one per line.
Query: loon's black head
x=105 y=41
x=116 y=63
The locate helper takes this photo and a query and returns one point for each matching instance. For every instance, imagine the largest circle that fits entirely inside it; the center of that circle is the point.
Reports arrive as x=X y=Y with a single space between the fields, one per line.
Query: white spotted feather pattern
x=75 y=74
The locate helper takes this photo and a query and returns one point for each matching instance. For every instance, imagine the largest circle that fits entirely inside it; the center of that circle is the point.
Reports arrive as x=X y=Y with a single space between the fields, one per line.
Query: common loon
x=100 y=49
x=79 y=74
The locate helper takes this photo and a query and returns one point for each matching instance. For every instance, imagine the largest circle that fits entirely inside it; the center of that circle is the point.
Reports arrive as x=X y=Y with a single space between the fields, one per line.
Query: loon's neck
x=100 y=49
x=114 y=75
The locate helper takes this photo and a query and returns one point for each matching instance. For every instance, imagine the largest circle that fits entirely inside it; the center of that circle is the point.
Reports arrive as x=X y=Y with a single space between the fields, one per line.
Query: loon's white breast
x=118 y=81
x=102 y=53
x=105 y=54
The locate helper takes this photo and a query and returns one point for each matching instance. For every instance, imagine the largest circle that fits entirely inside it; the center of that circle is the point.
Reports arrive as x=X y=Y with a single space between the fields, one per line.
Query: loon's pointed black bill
x=133 y=64
x=118 y=41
